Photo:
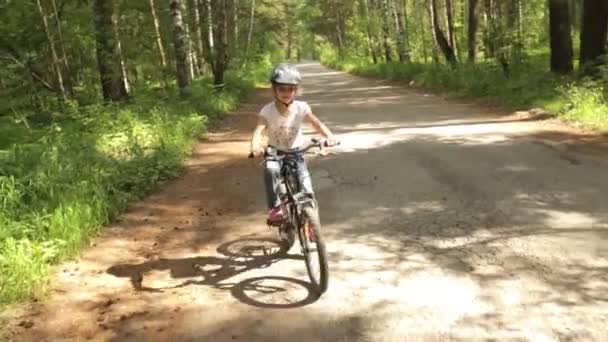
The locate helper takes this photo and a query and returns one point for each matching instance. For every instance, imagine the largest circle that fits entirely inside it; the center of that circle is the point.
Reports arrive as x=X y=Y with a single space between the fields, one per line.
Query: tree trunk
x=116 y=26
x=495 y=40
x=108 y=57
x=159 y=44
x=594 y=32
x=449 y=8
x=489 y=34
x=339 y=33
x=235 y=25
x=520 y=25
x=510 y=40
x=220 y=30
x=575 y=15
x=204 y=32
x=289 y=31
x=425 y=46
x=181 y=45
x=159 y=39
x=385 y=30
x=192 y=67
x=196 y=14
x=209 y=33
x=561 y=40
x=55 y=59
x=472 y=31
x=370 y=37
x=250 y=31
x=406 y=29
x=439 y=36
x=66 y=65
x=403 y=54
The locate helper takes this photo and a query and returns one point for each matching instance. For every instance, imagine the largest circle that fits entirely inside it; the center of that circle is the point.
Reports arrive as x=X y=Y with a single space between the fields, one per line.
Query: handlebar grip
x=326 y=144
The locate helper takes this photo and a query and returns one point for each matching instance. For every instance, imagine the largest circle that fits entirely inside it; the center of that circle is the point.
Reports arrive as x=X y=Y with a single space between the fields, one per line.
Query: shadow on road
x=240 y=256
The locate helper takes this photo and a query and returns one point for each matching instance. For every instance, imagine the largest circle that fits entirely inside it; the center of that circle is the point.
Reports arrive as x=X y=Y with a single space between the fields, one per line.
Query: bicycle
x=301 y=214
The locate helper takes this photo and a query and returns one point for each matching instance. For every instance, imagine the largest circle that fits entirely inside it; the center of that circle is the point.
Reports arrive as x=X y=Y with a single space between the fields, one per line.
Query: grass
x=64 y=175
x=527 y=85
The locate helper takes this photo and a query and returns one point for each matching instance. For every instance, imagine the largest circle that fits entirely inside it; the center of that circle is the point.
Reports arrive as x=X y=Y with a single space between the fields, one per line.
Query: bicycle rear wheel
x=313 y=248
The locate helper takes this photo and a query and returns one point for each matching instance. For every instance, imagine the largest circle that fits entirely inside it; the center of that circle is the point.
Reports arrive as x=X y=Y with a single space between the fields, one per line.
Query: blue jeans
x=272 y=179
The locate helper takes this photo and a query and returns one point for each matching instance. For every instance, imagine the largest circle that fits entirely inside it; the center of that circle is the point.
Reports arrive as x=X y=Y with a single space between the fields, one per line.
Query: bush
x=67 y=177
x=527 y=84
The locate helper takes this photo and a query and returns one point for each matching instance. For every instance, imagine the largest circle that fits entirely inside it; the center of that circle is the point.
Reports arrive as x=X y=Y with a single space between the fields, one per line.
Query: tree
x=368 y=28
x=116 y=26
x=594 y=32
x=401 y=48
x=336 y=10
x=216 y=44
x=157 y=35
x=181 y=45
x=198 y=39
x=100 y=44
x=289 y=28
x=64 y=58
x=490 y=32
x=472 y=30
x=108 y=57
x=439 y=36
x=561 y=40
x=449 y=9
x=55 y=59
x=386 y=33
x=191 y=52
x=250 y=30
x=235 y=25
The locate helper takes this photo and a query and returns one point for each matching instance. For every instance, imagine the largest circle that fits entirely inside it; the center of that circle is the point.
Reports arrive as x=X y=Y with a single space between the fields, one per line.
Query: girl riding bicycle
x=282 y=118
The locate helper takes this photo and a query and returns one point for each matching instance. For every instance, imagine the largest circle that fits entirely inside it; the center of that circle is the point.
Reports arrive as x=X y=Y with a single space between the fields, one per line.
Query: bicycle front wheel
x=313 y=247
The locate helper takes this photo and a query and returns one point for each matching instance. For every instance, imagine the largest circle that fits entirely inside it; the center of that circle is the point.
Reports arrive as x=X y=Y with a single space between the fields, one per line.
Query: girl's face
x=285 y=93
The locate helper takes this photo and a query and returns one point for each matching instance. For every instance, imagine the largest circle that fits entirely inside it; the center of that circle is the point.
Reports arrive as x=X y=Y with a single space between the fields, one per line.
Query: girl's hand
x=257 y=151
x=332 y=140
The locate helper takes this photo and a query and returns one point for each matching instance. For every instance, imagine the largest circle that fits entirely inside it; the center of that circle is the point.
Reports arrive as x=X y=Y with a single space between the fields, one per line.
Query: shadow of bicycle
x=239 y=256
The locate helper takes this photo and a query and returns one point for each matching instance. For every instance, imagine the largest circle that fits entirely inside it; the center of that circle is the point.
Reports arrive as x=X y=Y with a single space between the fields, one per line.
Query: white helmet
x=285 y=74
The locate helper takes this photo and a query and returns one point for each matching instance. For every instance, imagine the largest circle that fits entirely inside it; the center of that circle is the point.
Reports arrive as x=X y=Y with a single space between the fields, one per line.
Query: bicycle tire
x=289 y=238
x=310 y=216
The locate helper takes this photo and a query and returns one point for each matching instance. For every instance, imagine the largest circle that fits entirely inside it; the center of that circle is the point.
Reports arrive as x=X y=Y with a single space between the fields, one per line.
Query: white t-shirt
x=285 y=131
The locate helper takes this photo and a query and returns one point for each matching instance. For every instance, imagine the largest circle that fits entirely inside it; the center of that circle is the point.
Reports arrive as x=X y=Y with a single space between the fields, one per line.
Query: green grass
x=528 y=85
x=64 y=175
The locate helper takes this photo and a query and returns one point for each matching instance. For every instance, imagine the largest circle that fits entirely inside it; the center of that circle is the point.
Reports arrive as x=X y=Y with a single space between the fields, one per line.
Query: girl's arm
x=255 y=147
x=320 y=127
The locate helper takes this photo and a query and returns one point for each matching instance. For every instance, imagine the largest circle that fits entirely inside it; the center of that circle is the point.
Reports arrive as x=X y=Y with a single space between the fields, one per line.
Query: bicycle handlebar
x=314 y=143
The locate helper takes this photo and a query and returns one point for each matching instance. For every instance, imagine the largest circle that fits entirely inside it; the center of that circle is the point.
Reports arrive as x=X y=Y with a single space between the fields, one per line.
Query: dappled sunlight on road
x=442 y=223
x=376 y=135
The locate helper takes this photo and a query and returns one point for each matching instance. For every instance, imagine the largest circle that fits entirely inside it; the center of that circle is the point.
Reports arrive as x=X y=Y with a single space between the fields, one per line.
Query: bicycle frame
x=294 y=199
x=300 y=213
x=292 y=196
x=292 y=183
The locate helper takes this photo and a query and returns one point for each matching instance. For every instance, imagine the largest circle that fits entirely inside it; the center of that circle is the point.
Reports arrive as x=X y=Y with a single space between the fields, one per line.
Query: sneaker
x=275 y=214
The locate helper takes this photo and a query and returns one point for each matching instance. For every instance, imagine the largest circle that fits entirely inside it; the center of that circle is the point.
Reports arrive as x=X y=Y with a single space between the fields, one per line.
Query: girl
x=283 y=119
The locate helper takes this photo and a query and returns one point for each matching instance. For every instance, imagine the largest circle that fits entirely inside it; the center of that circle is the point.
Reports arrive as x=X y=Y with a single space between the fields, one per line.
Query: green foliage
x=65 y=180
x=526 y=85
x=585 y=104
x=68 y=167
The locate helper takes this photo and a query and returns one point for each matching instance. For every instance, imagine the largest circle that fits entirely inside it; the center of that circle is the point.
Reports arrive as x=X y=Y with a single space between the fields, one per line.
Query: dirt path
x=443 y=222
